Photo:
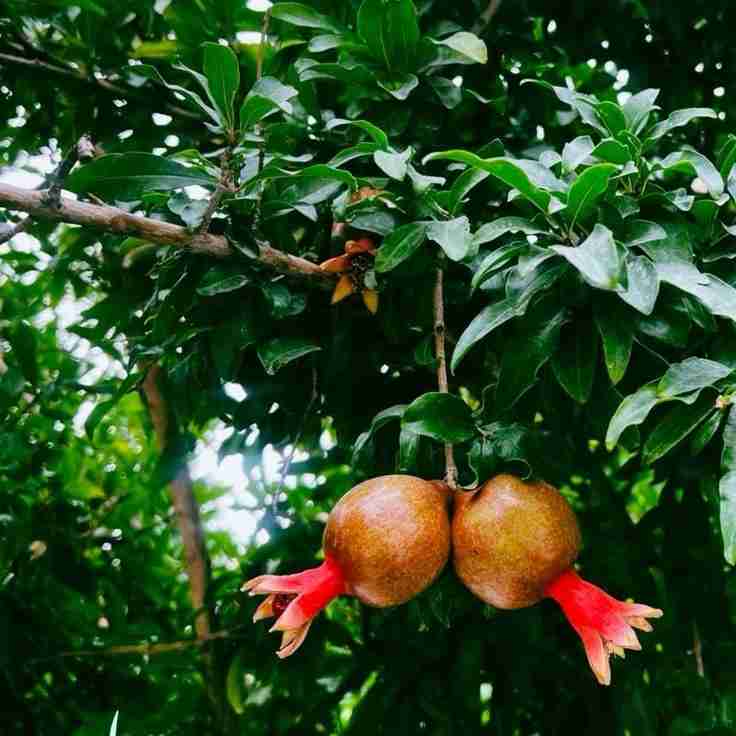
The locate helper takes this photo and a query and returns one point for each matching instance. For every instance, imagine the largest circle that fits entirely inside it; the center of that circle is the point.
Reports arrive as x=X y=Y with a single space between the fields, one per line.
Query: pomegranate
x=514 y=543
x=386 y=540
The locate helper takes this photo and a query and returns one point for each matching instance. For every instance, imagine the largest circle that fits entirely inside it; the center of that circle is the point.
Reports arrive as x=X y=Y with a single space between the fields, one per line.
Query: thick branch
x=440 y=354
x=185 y=507
x=100 y=84
x=115 y=220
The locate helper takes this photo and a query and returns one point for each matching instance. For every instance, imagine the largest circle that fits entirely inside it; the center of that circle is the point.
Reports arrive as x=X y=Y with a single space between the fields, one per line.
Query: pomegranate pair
x=513 y=544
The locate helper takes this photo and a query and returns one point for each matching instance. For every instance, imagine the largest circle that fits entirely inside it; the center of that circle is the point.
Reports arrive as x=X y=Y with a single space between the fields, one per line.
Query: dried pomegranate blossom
x=353 y=265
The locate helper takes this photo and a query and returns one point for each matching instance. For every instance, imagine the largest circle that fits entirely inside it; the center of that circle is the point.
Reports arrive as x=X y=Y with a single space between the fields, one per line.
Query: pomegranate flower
x=352 y=266
x=295 y=600
x=605 y=625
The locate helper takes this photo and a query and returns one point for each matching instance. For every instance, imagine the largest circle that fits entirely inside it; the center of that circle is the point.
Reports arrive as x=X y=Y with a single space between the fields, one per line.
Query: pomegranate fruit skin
x=386 y=540
x=511 y=539
x=390 y=537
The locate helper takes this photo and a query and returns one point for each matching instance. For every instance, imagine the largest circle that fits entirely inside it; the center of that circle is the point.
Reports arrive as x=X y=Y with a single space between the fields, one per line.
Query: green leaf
x=114 y=724
x=466 y=44
x=675 y=427
x=495 y=260
x=391 y=32
x=690 y=375
x=637 y=232
x=638 y=108
x=634 y=409
x=24 y=341
x=706 y=432
x=493 y=316
x=597 y=259
x=393 y=164
x=575 y=152
x=191 y=211
x=678 y=119
x=223 y=76
x=443 y=417
x=491 y=230
x=400 y=87
x=690 y=161
x=378 y=135
x=727 y=488
x=612 y=116
x=507 y=170
x=612 y=151
x=453 y=236
x=586 y=190
x=575 y=362
x=281 y=351
x=125 y=177
x=462 y=186
x=502 y=442
x=363 y=447
x=265 y=97
x=220 y=280
x=408 y=450
x=617 y=334
x=302 y=16
x=642 y=287
x=399 y=245
x=526 y=353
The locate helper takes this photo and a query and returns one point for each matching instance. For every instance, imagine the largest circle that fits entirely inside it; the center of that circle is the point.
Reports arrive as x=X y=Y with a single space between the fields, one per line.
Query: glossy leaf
x=400 y=245
x=453 y=236
x=586 y=190
x=128 y=176
x=281 y=351
x=223 y=76
x=597 y=259
x=442 y=417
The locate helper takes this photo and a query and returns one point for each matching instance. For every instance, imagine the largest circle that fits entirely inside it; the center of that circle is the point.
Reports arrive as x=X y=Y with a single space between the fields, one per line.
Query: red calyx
x=605 y=625
x=295 y=600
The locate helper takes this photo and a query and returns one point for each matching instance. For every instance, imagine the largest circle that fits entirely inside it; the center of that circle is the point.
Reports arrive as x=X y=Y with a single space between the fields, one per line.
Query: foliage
x=579 y=192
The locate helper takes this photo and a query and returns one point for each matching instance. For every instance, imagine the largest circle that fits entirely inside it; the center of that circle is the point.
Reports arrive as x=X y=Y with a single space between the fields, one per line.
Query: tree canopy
x=337 y=240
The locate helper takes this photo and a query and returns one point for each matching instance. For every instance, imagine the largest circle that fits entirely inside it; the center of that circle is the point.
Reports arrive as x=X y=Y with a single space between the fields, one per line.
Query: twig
x=149 y=649
x=223 y=185
x=10 y=231
x=297 y=440
x=440 y=354
x=259 y=128
x=485 y=18
x=262 y=44
x=698 y=651
x=52 y=195
x=115 y=220
x=100 y=84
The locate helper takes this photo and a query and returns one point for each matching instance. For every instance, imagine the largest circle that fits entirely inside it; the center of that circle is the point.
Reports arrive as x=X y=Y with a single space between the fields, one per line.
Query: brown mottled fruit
x=514 y=543
x=511 y=539
x=391 y=538
x=386 y=540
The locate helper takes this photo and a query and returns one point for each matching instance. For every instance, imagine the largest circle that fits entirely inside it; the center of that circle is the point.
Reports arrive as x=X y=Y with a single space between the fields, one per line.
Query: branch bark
x=117 y=221
x=185 y=507
x=441 y=355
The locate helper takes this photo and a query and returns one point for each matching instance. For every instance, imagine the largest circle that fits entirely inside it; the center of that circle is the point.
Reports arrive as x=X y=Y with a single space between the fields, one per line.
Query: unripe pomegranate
x=386 y=540
x=514 y=543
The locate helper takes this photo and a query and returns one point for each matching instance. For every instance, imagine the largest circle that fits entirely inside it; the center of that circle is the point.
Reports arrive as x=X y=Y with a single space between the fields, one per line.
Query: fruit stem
x=440 y=354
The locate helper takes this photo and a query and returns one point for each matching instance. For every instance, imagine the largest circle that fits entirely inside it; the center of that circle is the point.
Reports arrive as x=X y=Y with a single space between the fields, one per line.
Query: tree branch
x=10 y=231
x=100 y=84
x=440 y=354
x=185 y=507
x=115 y=220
